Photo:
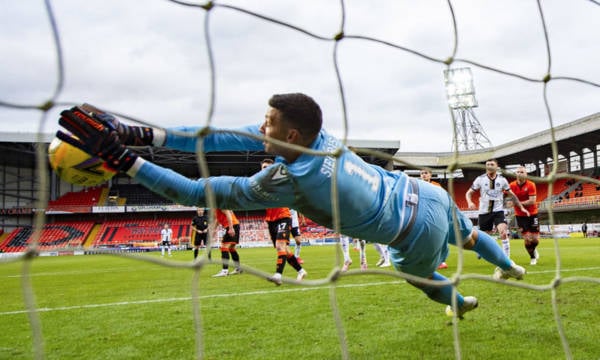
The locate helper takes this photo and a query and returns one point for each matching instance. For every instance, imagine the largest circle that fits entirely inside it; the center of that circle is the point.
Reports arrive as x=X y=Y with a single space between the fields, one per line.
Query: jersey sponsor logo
x=494 y=194
x=329 y=161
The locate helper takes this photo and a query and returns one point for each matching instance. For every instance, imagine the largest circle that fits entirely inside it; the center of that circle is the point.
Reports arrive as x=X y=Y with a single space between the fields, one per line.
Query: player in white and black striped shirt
x=492 y=187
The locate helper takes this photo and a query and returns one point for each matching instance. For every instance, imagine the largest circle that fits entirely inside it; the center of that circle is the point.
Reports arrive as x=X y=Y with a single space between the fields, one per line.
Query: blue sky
x=149 y=60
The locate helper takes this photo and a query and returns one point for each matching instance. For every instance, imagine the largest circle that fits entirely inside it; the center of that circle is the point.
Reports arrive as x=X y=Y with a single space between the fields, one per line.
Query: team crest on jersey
x=281 y=173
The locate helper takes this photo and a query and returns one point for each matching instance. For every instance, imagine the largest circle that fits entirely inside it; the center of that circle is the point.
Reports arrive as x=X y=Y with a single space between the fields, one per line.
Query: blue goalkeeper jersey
x=371 y=200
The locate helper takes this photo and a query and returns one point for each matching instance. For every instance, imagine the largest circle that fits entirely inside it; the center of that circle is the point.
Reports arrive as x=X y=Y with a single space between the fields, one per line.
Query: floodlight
x=460 y=90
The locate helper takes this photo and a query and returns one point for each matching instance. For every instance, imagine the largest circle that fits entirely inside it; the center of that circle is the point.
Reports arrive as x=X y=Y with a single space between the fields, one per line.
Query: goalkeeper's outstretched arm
x=259 y=191
x=183 y=138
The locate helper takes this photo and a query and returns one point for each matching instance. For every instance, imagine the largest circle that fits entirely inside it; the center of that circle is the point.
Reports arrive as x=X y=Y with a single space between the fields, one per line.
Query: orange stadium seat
x=461 y=187
x=78 y=201
x=118 y=232
x=590 y=189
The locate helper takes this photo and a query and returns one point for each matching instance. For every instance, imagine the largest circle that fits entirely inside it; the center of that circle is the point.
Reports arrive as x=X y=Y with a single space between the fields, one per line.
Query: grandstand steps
x=103 y=195
x=89 y=241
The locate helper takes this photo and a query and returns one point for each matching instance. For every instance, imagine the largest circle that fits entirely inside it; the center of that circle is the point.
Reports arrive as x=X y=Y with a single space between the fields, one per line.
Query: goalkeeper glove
x=96 y=137
x=128 y=135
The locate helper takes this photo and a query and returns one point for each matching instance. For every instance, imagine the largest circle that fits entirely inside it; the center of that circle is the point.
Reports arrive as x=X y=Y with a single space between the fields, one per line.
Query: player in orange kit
x=526 y=192
x=231 y=238
x=280 y=225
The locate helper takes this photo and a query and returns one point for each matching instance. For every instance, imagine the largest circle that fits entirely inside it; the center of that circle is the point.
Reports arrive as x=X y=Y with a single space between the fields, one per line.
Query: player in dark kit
x=199 y=230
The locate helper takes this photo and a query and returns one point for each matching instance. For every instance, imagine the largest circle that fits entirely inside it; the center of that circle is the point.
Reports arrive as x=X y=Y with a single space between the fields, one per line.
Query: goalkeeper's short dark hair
x=301 y=111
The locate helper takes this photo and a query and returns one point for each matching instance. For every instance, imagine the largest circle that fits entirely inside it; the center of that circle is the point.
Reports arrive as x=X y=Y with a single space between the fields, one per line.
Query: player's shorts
x=296 y=231
x=487 y=221
x=232 y=239
x=199 y=238
x=279 y=230
x=528 y=224
x=166 y=243
x=426 y=245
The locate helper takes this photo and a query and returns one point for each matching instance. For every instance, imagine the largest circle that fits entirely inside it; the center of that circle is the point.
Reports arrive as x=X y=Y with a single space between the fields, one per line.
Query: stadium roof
x=18 y=149
x=571 y=137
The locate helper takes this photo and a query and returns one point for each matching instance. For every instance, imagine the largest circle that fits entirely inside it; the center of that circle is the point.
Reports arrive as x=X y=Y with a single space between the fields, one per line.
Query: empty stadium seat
x=138 y=195
x=54 y=236
x=77 y=201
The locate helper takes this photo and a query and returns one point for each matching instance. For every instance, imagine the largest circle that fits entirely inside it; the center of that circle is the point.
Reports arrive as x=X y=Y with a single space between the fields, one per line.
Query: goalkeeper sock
x=441 y=294
x=488 y=248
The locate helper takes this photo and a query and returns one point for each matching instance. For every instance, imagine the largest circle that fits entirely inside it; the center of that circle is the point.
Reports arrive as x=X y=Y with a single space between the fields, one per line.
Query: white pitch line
x=62 y=273
x=561 y=270
x=250 y=293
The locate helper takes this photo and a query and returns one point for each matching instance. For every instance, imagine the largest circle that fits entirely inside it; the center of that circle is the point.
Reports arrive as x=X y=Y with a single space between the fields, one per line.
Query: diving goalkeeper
x=413 y=217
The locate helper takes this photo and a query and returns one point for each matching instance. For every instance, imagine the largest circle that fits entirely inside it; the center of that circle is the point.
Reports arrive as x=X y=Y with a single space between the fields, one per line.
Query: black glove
x=129 y=135
x=96 y=137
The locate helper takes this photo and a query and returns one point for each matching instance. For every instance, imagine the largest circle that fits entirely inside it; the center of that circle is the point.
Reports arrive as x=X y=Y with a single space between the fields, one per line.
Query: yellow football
x=77 y=167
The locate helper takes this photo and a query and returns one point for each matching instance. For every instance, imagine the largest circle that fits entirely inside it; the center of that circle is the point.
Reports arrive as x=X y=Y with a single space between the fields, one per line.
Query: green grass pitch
x=109 y=307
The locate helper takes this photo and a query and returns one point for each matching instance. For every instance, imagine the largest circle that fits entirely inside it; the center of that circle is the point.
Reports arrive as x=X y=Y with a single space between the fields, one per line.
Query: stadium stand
x=589 y=189
x=542 y=192
x=79 y=201
x=313 y=231
x=253 y=228
x=54 y=236
x=460 y=189
x=16 y=241
x=137 y=195
x=123 y=232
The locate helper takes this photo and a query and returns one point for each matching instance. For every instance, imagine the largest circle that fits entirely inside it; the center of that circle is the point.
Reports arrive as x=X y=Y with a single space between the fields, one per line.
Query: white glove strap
x=159 y=136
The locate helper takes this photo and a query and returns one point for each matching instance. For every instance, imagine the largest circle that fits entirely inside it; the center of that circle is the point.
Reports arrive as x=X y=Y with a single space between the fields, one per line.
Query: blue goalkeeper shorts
x=426 y=245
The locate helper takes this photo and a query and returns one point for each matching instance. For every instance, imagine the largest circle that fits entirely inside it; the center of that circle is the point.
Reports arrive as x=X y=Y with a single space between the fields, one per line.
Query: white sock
x=297 y=250
x=345 y=244
x=506 y=246
x=363 y=251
